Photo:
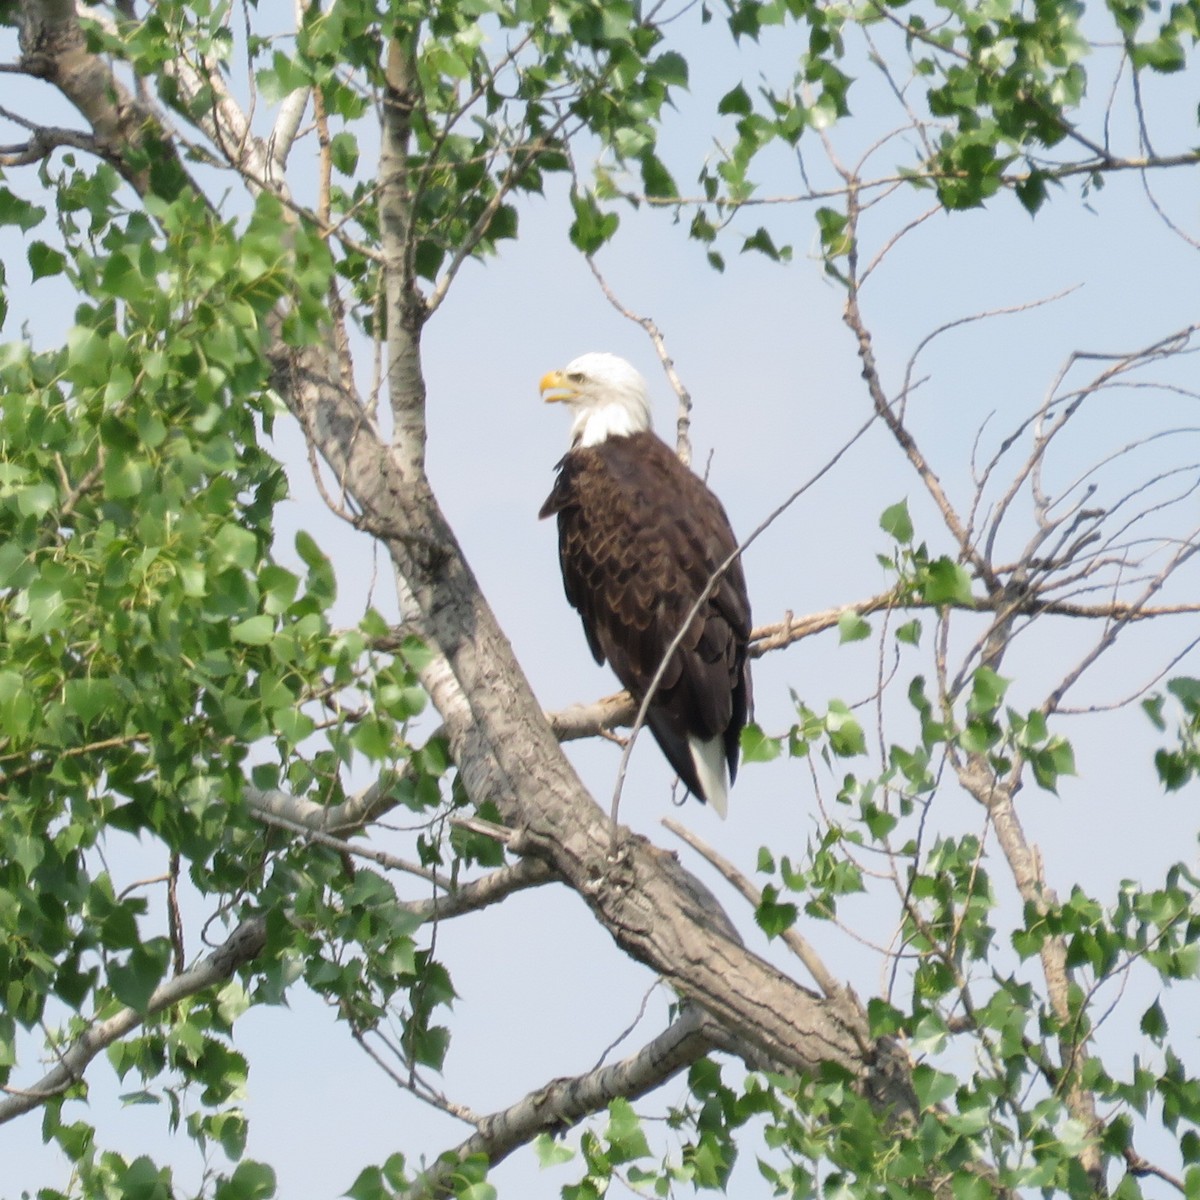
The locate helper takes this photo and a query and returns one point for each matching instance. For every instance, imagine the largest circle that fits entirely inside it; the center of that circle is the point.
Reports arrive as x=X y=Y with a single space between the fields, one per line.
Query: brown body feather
x=640 y=537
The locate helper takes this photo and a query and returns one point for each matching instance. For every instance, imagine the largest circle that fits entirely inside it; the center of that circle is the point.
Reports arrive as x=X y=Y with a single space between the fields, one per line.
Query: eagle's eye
x=575 y=376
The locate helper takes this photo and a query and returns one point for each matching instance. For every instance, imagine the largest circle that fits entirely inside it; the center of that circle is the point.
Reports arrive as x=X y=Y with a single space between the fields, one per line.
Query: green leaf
x=852 y=628
x=343 y=152
x=369 y=1185
x=37 y=499
x=1032 y=191
x=836 y=241
x=90 y=698
x=772 y=916
x=1055 y=759
x=1187 y=692
x=592 y=227
x=87 y=357
x=233 y=546
x=254 y=631
x=879 y=822
x=736 y=101
x=1165 y=54
x=946 y=582
x=550 y=1151
x=475 y=1191
x=656 y=179
x=896 y=522
x=45 y=261
x=626 y=1139
x=762 y=241
x=670 y=68
x=756 y=746
x=133 y=981
x=931 y=1086
x=19 y=212
x=143 y=1180
x=285 y=75
x=885 y=1019
x=250 y=1181
x=1154 y=1023
x=846 y=736
x=987 y=692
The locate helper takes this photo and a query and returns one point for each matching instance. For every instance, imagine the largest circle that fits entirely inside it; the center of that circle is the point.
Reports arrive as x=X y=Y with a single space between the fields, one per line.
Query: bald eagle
x=639 y=540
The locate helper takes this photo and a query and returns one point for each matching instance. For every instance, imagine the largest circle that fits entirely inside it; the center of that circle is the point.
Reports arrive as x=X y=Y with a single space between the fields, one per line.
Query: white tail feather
x=709 y=760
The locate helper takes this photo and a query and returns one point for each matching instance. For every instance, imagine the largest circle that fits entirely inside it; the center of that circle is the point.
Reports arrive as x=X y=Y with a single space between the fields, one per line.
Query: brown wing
x=639 y=539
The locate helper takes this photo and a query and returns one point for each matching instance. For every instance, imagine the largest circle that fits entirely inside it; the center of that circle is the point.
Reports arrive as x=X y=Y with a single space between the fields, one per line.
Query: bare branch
x=300 y=813
x=287 y=125
x=381 y=857
x=42 y=142
x=1024 y=862
x=1186 y=551
x=683 y=422
x=491 y=889
x=886 y=409
x=1141 y=1167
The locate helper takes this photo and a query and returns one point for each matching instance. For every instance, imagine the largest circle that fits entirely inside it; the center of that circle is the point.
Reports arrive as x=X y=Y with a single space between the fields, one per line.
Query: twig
x=683 y=422
x=379 y=857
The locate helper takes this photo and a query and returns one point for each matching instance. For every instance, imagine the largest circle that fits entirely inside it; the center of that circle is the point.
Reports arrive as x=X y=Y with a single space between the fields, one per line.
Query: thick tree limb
x=507 y=754
x=299 y=811
x=125 y=131
x=405 y=306
x=588 y=720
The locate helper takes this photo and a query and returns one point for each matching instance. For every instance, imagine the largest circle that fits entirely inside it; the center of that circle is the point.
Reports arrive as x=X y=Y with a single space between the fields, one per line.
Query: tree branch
x=125 y=130
x=565 y=1102
x=405 y=309
x=243 y=945
x=794 y=941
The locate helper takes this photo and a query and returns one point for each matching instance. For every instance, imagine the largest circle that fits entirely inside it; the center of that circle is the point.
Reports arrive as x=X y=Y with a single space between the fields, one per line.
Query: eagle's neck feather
x=595 y=425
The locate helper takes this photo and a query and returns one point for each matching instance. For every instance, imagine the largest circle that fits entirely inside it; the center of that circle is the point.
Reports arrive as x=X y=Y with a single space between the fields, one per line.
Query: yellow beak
x=558 y=385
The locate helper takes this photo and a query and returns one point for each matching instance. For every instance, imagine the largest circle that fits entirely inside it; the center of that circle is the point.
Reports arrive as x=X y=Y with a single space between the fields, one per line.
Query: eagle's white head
x=607 y=396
